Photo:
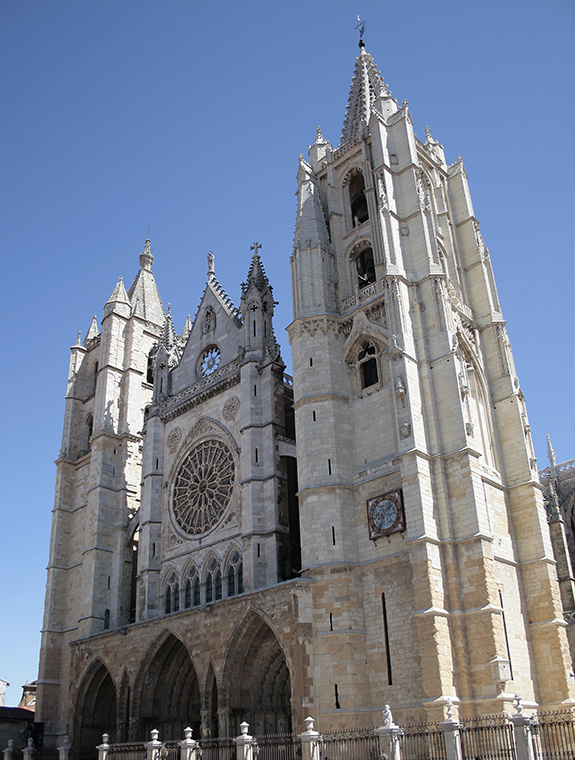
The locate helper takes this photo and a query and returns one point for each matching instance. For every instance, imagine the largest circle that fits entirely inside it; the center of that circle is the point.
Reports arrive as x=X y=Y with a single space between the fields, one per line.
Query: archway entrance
x=169 y=693
x=259 y=682
x=97 y=713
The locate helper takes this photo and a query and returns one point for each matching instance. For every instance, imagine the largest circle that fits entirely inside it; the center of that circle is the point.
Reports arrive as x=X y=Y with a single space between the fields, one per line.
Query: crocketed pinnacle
x=168 y=337
x=367 y=86
x=550 y=452
x=93 y=330
x=310 y=229
x=257 y=275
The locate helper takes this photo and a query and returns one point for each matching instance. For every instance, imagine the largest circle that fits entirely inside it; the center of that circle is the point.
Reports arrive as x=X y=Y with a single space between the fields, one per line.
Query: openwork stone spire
x=367 y=86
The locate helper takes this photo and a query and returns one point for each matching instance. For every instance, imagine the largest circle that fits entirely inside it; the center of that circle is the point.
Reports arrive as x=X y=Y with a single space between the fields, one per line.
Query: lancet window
x=367 y=362
x=235 y=575
x=365 y=267
x=172 y=595
x=192 y=589
x=358 y=201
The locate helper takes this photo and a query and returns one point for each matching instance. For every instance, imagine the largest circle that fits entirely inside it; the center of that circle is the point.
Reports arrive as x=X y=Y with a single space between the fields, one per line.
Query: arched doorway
x=169 y=695
x=258 y=681
x=97 y=710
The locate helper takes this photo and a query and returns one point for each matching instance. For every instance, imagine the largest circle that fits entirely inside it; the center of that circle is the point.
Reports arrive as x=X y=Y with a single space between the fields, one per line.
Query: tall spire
x=367 y=87
x=550 y=452
x=257 y=275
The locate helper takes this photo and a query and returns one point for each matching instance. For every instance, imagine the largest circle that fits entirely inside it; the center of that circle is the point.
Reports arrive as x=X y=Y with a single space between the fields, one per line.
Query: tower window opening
x=150 y=369
x=254 y=328
x=106 y=619
x=257 y=455
x=333 y=534
x=331 y=621
x=337 y=704
x=314 y=417
x=368 y=365
x=310 y=361
x=329 y=466
x=386 y=634
x=365 y=267
x=255 y=390
x=359 y=212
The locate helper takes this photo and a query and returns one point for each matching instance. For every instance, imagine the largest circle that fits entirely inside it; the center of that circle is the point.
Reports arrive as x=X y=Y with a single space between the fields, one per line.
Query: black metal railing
x=358 y=744
x=554 y=735
x=490 y=737
x=422 y=741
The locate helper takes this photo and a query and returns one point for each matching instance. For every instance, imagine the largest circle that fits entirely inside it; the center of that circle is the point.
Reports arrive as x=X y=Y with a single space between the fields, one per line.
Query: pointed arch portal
x=97 y=714
x=169 y=692
x=258 y=681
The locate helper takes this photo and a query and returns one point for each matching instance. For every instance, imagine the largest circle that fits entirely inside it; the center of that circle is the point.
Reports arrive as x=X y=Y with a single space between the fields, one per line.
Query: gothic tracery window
x=172 y=595
x=235 y=575
x=192 y=583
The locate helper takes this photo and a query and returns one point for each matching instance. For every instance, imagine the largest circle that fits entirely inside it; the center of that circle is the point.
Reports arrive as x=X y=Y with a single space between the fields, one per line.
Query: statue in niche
x=208 y=320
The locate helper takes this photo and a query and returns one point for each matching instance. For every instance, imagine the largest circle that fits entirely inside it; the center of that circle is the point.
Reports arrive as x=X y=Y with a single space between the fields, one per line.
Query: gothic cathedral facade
x=230 y=545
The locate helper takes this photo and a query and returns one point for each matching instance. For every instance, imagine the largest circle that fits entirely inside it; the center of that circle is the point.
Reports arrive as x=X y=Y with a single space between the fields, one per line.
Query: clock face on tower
x=385 y=514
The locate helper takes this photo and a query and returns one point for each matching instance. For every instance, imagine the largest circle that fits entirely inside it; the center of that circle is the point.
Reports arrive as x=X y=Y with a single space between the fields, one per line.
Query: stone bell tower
x=421 y=515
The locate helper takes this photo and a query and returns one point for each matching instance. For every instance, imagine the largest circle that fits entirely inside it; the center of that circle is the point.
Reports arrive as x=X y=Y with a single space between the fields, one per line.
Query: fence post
x=522 y=731
x=64 y=750
x=245 y=744
x=28 y=751
x=103 y=747
x=153 y=747
x=189 y=749
x=9 y=750
x=310 y=741
x=389 y=735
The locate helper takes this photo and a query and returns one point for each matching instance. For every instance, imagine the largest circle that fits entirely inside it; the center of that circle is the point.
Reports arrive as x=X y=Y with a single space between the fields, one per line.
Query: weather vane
x=361 y=27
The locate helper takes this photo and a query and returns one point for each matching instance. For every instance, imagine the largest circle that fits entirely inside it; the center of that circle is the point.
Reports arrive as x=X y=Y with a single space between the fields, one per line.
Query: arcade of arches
x=170 y=693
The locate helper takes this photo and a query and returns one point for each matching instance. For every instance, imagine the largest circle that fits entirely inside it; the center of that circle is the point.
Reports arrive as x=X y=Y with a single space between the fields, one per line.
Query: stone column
x=103 y=747
x=522 y=729
x=389 y=735
x=189 y=749
x=153 y=747
x=64 y=750
x=310 y=741
x=245 y=744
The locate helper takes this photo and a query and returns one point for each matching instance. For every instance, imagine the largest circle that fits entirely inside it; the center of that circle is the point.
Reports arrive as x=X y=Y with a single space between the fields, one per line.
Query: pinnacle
x=256 y=274
x=367 y=86
x=119 y=293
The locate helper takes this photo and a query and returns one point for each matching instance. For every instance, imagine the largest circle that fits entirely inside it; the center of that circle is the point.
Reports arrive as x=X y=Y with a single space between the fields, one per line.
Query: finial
x=318 y=135
x=79 y=338
x=211 y=265
x=550 y=452
x=146 y=258
x=169 y=310
x=361 y=29
x=255 y=248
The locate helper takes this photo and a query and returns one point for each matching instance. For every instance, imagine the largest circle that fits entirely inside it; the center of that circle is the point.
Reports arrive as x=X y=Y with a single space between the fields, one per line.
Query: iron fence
x=127 y=751
x=422 y=741
x=490 y=737
x=358 y=744
x=554 y=736
x=218 y=749
x=279 y=747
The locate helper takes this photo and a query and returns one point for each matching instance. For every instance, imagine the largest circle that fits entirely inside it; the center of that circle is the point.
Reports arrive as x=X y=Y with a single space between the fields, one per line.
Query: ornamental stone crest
x=174 y=437
x=231 y=408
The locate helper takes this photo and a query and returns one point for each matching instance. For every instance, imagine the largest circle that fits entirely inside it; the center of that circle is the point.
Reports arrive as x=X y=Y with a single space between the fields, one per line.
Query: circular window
x=209 y=360
x=203 y=487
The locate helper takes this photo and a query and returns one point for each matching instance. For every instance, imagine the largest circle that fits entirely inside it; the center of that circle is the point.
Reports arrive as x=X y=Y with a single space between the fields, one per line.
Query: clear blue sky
x=190 y=117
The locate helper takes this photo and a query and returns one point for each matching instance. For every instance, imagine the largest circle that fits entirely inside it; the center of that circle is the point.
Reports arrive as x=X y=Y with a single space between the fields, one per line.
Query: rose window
x=209 y=360
x=203 y=487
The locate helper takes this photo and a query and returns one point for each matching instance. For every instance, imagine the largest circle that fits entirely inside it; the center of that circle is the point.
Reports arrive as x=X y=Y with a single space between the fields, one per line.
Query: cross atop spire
x=255 y=248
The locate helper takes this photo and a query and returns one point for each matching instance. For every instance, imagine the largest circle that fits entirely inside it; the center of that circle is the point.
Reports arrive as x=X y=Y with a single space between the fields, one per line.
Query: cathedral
x=230 y=543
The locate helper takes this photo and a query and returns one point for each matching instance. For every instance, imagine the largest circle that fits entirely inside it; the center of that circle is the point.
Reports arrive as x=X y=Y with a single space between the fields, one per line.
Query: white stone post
x=389 y=735
x=451 y=734
x=522 y=725
x=9 y=750
x=28 y=751
x=310 y=741
x=104 y=747
x=245 y=744
x=189 y=748
x=153 y=747
x=64 y=750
